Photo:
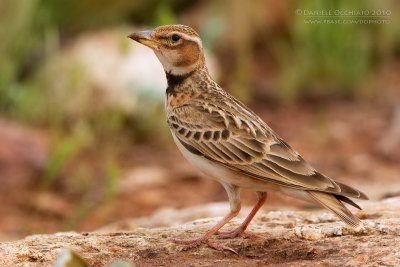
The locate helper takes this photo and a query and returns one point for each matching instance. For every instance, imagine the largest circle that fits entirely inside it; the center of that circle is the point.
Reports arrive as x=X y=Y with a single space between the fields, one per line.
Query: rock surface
x=289 y=238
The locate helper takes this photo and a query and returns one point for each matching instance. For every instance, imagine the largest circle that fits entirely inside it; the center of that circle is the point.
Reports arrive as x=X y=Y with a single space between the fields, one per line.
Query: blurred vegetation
x=18 y=42
x=313 y=59
x=326 y=59
x=317 y=60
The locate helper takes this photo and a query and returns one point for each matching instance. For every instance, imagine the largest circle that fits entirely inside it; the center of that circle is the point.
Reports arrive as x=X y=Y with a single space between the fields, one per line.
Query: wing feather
x=238 y=139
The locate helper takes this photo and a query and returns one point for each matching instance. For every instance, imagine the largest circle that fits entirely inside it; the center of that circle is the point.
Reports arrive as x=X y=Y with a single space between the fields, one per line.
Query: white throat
x=170 y=68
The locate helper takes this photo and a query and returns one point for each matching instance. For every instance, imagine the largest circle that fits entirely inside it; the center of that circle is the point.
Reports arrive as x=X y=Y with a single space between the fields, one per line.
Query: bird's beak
x=144 y=37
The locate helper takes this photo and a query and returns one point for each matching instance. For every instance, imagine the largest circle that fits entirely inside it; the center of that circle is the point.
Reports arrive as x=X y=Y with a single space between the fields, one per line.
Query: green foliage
x=165 y=15
x=100 y=13
x=94 y=187
x=112 y=174
x=327 y=58
x=31 y=32
x=150 y=125
x=61 y=153
x=17 y=41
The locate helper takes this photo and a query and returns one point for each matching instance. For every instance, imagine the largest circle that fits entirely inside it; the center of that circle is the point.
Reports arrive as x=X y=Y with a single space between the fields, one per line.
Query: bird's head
x=178 y=47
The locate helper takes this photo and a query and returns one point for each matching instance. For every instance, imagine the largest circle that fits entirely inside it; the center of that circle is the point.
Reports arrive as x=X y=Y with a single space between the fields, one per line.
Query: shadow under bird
x=228 y=142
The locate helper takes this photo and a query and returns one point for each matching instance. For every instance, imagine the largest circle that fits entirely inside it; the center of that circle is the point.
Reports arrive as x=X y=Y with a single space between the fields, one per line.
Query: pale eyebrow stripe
x=192 y=38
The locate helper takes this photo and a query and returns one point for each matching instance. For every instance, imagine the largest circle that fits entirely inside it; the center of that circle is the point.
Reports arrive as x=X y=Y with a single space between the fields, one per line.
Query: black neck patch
x=175 y=80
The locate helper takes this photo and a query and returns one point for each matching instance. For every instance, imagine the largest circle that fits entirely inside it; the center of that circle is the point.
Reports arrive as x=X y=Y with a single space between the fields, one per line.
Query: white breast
x=201 y=163
x=223 y=174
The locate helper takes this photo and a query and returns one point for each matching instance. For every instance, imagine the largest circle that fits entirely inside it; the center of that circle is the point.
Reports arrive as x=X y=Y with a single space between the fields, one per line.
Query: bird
x=228 y=142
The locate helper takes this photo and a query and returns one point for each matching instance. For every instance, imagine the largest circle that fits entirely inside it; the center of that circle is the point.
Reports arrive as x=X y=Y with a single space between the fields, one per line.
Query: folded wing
x=235 y=137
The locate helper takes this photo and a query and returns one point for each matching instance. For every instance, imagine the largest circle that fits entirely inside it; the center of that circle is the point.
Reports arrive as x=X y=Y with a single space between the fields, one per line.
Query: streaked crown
x=178 y=47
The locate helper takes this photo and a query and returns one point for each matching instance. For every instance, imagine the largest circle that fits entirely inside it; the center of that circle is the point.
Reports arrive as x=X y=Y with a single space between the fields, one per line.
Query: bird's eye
x=175 y=37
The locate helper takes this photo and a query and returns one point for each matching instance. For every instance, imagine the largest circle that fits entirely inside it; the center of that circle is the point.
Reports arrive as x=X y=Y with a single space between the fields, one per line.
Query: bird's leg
x=234 y=200
x=240 y=231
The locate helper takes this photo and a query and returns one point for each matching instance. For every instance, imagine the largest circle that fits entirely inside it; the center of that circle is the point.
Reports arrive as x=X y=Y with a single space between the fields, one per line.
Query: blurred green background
x=69 y=74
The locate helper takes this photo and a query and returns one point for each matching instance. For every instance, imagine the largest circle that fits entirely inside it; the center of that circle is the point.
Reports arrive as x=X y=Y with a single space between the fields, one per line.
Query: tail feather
x=349 y=191
x=334 y=204
x=348 y=201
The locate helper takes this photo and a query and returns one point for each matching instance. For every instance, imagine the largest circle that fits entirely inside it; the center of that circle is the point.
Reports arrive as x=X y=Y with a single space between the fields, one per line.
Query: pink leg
x=234 y=200
x=239 y=231
x=194 y=242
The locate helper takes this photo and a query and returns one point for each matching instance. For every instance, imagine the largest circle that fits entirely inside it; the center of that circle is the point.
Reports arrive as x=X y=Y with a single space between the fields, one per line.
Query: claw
x=195 y=242
x=238 y=232
x=220 y=247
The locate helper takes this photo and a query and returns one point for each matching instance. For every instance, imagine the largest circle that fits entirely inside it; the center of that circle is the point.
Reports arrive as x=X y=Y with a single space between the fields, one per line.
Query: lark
x=228 y=142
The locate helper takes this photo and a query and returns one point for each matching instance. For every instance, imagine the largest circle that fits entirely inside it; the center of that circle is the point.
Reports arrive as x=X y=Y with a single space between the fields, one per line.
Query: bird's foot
x=238 y=232
x=195 y=242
